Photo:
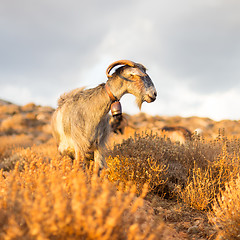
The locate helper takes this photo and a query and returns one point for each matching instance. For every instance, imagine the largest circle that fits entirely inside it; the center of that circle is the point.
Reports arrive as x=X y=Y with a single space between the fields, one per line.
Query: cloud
x=202 y=46
x=191 y=49
x=9 y=92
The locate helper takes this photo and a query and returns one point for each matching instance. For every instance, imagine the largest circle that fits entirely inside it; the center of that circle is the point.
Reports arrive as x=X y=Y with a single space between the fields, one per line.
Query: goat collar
x=110 y=94
x=116 y=108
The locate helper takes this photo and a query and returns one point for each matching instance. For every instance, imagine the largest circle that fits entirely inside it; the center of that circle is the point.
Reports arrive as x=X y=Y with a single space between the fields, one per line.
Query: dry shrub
x=227 y=164
x=164 y=165
x=200 y=189
x=13 y=123
x=58 y=200
x=9 y=109
x=9 y=142
x=204 y=184
x=46 y=150
x=14 y=148
x=193 y=172
x=10 y=146
x=137 y=159
x=139 y=172
x=226 y=211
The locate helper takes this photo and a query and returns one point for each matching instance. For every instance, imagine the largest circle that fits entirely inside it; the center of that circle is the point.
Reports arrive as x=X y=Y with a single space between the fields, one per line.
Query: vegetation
x=42 y=199
x=226 y=210
x=152 y=183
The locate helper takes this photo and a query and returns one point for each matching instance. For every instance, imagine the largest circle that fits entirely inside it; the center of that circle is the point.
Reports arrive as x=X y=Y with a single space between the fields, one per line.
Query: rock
x=45 y=109
x=4 y=102
x=30 y=107
x=42 y=117
x=47 y=128
x=10 y=109
x=193 y=230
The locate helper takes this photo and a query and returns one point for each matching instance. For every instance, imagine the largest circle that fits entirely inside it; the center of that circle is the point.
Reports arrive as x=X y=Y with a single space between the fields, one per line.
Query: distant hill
x=30 y=119
x=34 y=121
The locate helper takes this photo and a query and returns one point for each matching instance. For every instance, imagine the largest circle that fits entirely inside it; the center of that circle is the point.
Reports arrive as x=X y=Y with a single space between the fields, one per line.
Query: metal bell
x=116 y=108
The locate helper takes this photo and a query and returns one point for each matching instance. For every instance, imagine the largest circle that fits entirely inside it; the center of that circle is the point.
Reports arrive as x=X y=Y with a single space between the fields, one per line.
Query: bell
x=116 y=108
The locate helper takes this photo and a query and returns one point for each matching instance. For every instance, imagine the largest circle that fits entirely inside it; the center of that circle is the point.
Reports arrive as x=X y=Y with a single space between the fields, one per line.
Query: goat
x=177 y=133
x=80 y=124
x=186 y=133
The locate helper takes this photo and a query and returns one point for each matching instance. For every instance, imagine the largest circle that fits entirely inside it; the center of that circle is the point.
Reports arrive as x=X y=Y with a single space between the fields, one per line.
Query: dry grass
x=204 y=184
x=194 y=173
x=226 y=211
x=55 y=199
x=46 y=196
x=200 y=189
x=169 y=167
x=9 y=149
x=139 y=172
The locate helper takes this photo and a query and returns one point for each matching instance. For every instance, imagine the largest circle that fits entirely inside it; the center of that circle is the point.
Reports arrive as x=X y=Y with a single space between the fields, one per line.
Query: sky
x=190 y=48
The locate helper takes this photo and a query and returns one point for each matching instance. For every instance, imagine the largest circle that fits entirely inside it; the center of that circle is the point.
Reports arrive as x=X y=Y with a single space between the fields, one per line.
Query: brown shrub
x=204 y=184
x=164 y=165
x=9 y=109
x=200 y=189
x=194 y=172
x=226 y=211
x=60 y=201
x=14 y=122
x=139 y=172
x=10 y=146
x=29 y=107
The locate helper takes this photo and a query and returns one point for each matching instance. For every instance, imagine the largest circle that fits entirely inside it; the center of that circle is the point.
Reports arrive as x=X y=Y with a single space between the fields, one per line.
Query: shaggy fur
x=81 y=122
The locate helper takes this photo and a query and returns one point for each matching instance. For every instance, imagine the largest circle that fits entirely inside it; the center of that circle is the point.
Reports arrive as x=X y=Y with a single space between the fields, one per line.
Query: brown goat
x=81 y=122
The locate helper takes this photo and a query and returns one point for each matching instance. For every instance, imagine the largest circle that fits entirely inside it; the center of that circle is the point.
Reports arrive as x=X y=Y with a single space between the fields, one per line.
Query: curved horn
x=119 y=62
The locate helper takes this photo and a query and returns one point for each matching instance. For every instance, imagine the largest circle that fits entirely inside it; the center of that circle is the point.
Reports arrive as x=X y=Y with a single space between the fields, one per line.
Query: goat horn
x=119 y=62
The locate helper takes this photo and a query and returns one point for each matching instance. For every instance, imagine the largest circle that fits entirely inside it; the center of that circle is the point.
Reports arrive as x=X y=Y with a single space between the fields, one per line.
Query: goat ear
x=119 y=62
x=139 y=65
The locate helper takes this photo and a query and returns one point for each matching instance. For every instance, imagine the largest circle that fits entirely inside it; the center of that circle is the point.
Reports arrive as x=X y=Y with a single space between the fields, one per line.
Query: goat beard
x=139 y=102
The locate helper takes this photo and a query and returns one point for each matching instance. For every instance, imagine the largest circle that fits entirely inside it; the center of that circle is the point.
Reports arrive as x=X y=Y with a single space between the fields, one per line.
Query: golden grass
x=200 y=189
x=122 y=170
x=10 y=142
x=196 y=168
x=204 y=184
x=46 y=196
x=226 y=211
x=56 y=199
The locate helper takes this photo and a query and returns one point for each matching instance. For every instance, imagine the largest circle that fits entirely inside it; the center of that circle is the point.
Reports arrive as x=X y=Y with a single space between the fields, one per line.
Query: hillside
x=34 y=121
x=186 y=163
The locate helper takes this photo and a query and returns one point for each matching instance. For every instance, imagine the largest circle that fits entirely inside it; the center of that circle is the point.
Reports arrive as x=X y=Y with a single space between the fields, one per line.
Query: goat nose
x=152 y=96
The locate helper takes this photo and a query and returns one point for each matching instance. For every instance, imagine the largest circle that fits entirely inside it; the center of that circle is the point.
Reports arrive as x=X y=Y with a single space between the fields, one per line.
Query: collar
x=110 y=94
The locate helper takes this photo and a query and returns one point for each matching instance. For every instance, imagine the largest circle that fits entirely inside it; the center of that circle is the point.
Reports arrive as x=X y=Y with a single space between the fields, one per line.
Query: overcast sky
x=190 y=47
